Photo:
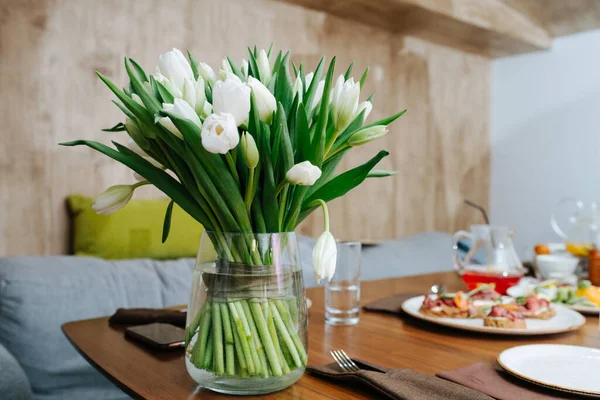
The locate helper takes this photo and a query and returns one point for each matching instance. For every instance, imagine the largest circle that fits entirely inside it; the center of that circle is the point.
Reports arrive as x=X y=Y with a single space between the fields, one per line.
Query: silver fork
x=345 y=362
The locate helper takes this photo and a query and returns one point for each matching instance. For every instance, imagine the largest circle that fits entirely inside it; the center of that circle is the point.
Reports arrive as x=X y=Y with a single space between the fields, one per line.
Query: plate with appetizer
x=583 y=297
x=484 y=310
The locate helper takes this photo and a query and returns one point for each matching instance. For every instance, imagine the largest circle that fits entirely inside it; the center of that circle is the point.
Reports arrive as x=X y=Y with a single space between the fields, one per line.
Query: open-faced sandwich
x=473 y=304
x=448 y=305
x=505 y=316
x=535 y=307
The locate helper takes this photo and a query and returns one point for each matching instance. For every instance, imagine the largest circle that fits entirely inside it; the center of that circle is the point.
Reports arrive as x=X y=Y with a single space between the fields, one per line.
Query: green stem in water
x=217 y=334
x=273 y=332
x=250 y=339
x=228 y=336
x=267 y=340
x=282 y=204
x=249 y=190
x=207 y=362
x=259 y=346
x=240 y=333
x=231 y=165
x=289 y=343
x=191 y=329
x=285 y=316
x=201 y=342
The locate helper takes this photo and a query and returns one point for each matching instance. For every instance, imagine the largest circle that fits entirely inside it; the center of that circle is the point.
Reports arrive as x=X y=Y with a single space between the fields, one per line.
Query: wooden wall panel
x=49 y=50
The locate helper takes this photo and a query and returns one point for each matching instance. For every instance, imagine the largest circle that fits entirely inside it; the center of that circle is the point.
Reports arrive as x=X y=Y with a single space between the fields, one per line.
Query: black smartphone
x=158 y=335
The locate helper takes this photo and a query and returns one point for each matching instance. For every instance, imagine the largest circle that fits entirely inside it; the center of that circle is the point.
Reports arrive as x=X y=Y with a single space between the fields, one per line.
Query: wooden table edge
x=127 y=390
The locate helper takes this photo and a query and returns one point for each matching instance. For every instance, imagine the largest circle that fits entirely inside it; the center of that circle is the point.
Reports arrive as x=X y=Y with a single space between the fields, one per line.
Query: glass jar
x=246 y=329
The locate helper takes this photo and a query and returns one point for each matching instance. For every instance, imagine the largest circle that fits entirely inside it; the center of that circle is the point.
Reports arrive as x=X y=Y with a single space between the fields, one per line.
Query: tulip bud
x=308 y=79
x=298 y=89
x=138 y=99
x=318 y=94
x=366 y=135
x=325 y=257
x=203 y=107
x=249 y=151
x=233 y=97
x=265 y=101
x=189 y=93
x=175 y=67
x=132 y=128
x=207 y=73
x=219 y=133
x=179 y=109
x=367 y=106
x=344 y=102
x=245 y=68
x=304 y=174
x=264 y=67
x=113 y=199
x=175 y=92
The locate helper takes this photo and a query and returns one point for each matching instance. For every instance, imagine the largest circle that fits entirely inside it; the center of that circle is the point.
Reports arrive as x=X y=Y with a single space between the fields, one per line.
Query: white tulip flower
x=367 y=135
x=180 y=109
x=304 y=174
x=318 y=94
x=138 y=99
x=249 y=151
x=189 y=93
x=207 y=73
x=219 y=133
x=170 y=86
x=325 y=257
x=233 y=97
x=203 y=107
x=113 y=199
x=265 y=101
x=264 y=67
x=367 y=106
x=245 y=68
x=175 y=67
x=298 y=88
x=308 y=79
x=344 y=102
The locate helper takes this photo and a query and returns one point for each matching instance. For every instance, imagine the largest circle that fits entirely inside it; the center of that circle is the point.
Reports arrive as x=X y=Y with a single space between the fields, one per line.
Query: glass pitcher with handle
x=491 y=257
x=581 y=235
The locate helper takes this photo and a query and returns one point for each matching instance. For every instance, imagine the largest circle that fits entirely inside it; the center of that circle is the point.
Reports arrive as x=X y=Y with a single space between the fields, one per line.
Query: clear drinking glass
x=342 y=293
x=246 y=330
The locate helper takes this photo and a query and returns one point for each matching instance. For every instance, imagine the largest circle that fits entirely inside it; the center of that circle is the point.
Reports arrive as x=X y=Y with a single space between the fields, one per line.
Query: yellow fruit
x=593 y=295
x=579 y=250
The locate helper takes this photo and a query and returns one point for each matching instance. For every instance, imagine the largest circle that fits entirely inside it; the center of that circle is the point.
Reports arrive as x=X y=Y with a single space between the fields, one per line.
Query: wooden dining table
x=391 y=340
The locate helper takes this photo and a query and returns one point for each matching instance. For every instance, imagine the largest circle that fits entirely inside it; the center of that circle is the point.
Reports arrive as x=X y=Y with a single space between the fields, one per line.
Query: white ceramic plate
x=519 y=290
x=565 y=320
x=572 y=369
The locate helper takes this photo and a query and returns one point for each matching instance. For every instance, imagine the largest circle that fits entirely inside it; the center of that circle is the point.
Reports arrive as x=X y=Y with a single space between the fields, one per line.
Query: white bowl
x=555 y=266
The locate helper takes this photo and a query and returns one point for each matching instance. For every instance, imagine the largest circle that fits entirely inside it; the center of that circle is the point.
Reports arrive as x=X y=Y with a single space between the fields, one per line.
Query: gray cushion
x=39 y=294
x=13 y=382
x=418 y=254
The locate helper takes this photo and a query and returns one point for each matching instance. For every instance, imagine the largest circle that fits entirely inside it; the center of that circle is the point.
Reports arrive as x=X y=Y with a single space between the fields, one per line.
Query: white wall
x=545 y=135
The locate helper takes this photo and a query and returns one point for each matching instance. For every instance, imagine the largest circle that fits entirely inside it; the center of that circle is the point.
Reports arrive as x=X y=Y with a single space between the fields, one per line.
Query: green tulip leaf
x=343 y=183
x=167 y=221
x=119 y=127
x=380 y=173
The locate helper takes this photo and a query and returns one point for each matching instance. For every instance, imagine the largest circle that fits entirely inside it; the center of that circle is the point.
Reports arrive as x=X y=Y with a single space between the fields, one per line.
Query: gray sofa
x=39 y=294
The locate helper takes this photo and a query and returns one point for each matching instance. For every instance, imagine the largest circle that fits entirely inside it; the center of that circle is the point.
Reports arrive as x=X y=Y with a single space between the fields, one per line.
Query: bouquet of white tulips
x=245 y=149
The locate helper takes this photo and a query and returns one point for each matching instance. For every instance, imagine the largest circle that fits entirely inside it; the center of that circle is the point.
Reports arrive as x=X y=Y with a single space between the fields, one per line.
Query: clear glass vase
x=246 y=329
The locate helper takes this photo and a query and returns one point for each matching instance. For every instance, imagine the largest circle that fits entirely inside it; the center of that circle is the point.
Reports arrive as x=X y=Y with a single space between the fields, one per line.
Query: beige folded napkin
x=401 y=384
x=391 y=304
x=499 y=384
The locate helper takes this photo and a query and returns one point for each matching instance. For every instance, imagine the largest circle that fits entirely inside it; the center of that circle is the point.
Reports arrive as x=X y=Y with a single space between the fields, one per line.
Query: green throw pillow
x=135 y=231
